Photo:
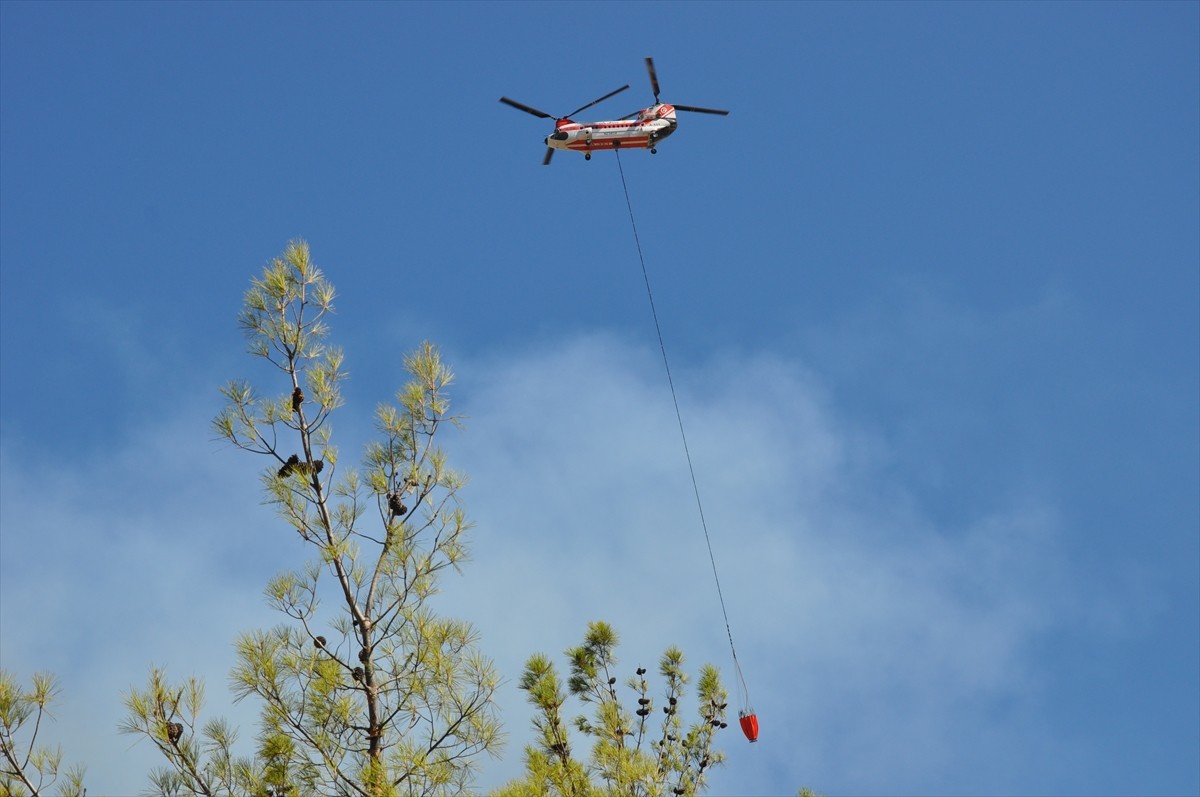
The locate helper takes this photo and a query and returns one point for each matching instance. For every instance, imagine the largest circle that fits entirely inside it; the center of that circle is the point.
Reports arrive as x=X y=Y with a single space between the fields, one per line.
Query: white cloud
x=882 y=649
x=153 y=553
x=871 y=638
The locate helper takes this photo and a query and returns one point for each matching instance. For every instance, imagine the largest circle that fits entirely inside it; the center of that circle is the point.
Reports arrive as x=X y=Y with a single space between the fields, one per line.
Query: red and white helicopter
x=640 y=130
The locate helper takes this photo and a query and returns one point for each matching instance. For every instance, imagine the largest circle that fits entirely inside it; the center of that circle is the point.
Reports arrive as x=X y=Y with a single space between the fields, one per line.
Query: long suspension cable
x=683 y=434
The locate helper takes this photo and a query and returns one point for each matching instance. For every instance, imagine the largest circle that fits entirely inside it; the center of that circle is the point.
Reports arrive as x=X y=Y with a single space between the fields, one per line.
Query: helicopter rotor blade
x=549 y=155
x=653 y=77
x=596 y=102
x=694 y=109
x=527 y=109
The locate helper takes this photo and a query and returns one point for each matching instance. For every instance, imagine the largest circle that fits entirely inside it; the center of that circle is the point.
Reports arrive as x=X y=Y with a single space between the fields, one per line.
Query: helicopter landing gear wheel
x=587 y=156
x=653 y=151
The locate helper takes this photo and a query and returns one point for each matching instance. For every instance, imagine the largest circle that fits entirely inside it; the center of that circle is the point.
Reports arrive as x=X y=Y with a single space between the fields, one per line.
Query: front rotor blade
x=653 y=76
x=597 y=102
x=694 y=109
x=549 y=155
x=522 y=107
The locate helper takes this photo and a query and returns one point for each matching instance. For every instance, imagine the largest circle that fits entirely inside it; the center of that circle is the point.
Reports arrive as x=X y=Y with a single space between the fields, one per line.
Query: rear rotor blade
x=653 y=76
x=694 y=109
x=522 y=107
x=597 y=102
x=549 y=155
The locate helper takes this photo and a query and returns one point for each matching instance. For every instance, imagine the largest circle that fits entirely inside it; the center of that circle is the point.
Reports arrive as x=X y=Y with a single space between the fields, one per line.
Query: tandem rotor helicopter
x=639 y=130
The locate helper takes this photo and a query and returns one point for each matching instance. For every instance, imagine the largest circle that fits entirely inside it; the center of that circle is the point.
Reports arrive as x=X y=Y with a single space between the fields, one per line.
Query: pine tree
x=379 y=695
x=644 y=752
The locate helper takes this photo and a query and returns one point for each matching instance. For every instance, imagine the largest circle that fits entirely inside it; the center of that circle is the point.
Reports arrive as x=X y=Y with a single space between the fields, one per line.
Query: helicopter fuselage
x=650 y=126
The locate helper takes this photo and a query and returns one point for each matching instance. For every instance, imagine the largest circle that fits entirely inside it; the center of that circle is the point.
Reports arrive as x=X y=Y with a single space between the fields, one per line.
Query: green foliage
x=25 y=767
x=200 y=756
x=379 y=695
x=632 y=755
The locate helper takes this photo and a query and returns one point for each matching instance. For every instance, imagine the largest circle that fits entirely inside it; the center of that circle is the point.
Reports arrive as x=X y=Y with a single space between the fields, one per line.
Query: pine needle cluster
x=26 y=767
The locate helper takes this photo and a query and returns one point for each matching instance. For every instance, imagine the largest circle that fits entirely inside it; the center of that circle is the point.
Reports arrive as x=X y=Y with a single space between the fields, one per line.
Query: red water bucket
x=749 y=724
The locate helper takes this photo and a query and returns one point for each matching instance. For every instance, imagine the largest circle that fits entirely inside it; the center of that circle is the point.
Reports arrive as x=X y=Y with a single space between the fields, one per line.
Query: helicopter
x=642 y=129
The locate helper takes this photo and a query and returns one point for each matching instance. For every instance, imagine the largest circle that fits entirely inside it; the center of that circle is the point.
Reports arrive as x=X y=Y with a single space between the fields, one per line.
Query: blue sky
x=930 y=293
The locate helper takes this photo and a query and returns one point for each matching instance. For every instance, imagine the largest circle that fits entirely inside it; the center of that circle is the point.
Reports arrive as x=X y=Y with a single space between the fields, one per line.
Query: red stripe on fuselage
x=630 y=142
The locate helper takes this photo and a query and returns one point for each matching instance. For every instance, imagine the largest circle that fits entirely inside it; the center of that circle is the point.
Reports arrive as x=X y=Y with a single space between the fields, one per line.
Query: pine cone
x=363 y=655
x=358 y=674
x=297 y=398
x=304 y=468
x=641 y=670
x=174 y=732
x=396 y=505
x=319 y=642
x=289 y=466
